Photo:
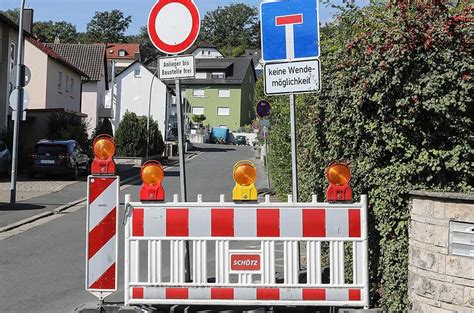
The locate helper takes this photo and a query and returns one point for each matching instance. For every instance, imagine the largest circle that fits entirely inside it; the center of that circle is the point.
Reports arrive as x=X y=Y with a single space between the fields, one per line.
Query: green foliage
x=198 y=118
x=103 y=128
x=12 y=14
x=108 y=26
x=66 y=126
x=49 y=31
x=396 y=102
x=230 y=27
x=131 y=136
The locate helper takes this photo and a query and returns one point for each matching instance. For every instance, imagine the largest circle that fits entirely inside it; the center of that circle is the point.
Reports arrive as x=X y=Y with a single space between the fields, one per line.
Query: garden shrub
x=396 y=102
x=131 y=136
x=67 y=126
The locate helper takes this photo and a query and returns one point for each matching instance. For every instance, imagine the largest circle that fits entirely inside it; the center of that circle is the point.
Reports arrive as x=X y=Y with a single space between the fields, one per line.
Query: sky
x=79 y=12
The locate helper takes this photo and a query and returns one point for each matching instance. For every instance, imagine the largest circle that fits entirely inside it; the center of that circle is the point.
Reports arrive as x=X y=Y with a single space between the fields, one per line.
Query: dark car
x=59 y=158
x=5 y=159
x=241 y=140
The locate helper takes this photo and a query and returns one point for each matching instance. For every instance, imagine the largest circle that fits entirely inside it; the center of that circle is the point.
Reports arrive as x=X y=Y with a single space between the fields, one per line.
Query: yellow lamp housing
x=244 y=174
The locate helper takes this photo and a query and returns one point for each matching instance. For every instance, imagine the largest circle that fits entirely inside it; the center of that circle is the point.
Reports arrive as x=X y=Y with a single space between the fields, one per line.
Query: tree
x=108 y=26
x=131 y=136
x=147 y=49
x=49 y=31
x=67 y=126
x=12 y=14
x=198 y=119
x=232 y=28
x=103 y=128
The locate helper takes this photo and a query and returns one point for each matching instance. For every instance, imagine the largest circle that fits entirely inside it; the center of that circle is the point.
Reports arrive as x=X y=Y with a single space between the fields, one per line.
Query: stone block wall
x=438 y=281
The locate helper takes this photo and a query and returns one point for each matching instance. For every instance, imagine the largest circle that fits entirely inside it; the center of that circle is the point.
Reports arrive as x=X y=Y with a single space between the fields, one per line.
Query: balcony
x=106 y=112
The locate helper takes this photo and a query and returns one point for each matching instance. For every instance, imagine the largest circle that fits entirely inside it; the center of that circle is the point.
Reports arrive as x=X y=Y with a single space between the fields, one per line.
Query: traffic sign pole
x=294 y=157
x=19 y=87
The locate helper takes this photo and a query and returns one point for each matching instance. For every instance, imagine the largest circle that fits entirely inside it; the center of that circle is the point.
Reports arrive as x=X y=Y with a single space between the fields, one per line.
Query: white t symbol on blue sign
x=290 y=30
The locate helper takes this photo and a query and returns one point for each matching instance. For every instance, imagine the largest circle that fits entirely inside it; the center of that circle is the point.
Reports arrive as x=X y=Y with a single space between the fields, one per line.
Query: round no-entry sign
x=173 y=25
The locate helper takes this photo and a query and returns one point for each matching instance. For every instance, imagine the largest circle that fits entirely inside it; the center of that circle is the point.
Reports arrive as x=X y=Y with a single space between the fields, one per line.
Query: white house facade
x=132 y=90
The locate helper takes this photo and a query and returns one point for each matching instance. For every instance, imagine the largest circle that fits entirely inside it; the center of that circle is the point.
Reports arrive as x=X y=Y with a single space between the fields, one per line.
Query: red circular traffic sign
x=178 y=26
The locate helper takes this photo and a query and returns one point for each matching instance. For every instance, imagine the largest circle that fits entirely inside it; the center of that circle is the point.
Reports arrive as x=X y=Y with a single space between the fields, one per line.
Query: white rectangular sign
x=292 y=77
x=176 y=67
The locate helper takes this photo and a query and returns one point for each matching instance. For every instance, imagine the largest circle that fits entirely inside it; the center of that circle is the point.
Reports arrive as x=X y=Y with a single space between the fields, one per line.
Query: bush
x=131 y=137
x=103 y=128
x=66 y=126
x=396 y=102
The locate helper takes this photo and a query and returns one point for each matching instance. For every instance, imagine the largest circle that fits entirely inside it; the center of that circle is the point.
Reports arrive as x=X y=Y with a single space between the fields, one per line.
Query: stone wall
x=438 y=281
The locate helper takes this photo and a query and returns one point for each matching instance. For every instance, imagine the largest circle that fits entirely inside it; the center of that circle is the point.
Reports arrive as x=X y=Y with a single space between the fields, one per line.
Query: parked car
x=241 y=140
x=59 y=158
x=5 y=159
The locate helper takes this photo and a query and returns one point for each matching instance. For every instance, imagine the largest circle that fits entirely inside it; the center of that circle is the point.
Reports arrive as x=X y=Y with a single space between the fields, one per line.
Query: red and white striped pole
x=102 y=221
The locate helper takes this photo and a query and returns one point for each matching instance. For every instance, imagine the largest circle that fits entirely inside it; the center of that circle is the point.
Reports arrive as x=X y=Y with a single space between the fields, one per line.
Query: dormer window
x=122 y=53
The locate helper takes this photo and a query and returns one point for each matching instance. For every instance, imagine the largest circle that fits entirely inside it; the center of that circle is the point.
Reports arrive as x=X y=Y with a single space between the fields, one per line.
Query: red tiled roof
x=53 y=54
x=130 y=50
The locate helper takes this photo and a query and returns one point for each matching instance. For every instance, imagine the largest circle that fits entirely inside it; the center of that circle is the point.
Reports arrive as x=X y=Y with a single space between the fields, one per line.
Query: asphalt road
x=42 y=269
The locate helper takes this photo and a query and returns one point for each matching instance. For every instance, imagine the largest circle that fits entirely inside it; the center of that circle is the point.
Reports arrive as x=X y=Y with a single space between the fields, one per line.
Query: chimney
x=28 y=20
x=57 y=40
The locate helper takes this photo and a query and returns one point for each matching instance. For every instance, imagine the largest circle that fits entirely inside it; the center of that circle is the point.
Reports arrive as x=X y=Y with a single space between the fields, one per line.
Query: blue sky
x=79 y=12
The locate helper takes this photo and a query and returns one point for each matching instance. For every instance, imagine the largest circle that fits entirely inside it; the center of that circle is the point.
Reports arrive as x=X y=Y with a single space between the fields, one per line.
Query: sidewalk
x=43 y=196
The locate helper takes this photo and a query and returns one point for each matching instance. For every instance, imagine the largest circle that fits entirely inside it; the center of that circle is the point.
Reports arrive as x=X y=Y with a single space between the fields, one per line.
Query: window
x=198 y=110
x=67 y=83
x=202 y=52
x=223 y=126
x=137 y=73
x=12 y=55
x=224 y=93
x=201 y=75
x=223 y=111
x=122 y=53
x=71 y=87
x=219 y=75
x=198 y=93
x=60 y=82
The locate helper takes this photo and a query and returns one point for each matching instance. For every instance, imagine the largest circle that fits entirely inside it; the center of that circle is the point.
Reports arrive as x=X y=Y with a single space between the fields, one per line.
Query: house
x=8 y=55
x=223 y=91
x=123 y=54
x=55 y=83
x=91 y=59
x=204 y=50
x=133 y=88
x=256 y=55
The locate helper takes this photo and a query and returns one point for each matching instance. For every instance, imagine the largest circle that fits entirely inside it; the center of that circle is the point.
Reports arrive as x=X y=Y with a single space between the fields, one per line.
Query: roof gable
x=54 y=55
x=90 y=58
x=130 y=50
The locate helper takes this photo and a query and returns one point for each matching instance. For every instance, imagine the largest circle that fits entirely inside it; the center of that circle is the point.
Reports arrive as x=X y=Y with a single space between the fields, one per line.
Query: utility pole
x=19 y=109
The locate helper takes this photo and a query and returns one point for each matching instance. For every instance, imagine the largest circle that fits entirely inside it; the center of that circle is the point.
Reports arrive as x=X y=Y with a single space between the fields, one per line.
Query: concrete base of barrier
x=361 y=311
x=108 y=308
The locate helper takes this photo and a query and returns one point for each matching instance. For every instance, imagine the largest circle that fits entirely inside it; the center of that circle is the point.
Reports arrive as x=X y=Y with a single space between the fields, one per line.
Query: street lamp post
x=149 y=115
x=19 y=107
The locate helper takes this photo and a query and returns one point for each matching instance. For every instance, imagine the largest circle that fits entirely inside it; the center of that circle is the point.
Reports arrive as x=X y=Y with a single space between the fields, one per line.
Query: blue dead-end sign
x=263 y=108
x=290 y=30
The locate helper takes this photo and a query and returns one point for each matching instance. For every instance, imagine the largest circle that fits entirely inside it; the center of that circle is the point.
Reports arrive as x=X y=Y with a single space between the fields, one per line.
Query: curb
x=56 y=210
x=60 y=209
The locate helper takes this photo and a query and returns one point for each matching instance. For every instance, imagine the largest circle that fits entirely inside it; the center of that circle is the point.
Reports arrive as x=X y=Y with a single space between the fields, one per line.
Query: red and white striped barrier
x=246 y=254
x=102 y=241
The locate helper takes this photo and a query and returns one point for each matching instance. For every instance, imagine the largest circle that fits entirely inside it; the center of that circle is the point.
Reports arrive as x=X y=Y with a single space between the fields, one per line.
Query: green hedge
x=131 y=136
x=396 y=102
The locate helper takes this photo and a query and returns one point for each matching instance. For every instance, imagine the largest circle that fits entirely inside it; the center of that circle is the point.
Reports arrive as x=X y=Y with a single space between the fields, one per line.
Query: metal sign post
x=294 y=157
x=182 y=166
x=19 y=87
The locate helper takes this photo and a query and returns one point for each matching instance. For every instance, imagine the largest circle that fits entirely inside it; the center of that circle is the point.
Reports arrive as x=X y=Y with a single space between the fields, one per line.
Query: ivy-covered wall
x=396 y=102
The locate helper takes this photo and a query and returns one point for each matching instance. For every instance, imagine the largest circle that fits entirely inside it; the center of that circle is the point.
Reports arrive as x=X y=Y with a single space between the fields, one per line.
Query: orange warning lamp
x=338 y=174
x=104 y=151
x=152 y=174
x=244 y=174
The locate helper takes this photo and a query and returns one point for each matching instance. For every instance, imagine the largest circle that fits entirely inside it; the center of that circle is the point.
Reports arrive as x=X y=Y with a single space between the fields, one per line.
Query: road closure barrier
x=247 y=253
